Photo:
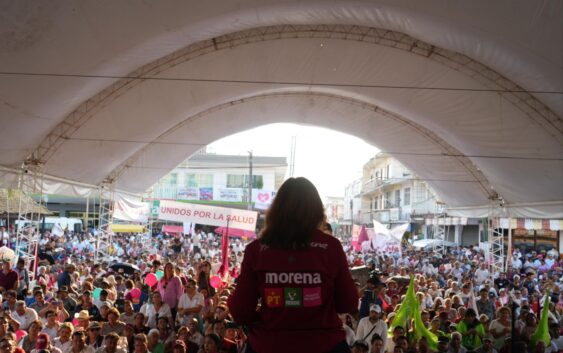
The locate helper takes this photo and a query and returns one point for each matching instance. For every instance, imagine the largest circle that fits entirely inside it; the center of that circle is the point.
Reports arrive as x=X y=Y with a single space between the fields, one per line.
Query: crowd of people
x=160 y=293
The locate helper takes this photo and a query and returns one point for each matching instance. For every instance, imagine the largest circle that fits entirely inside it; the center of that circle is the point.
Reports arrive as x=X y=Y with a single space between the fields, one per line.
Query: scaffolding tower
x=30 y=184
x=105 y=219
x=439 y=223
x=495 y=238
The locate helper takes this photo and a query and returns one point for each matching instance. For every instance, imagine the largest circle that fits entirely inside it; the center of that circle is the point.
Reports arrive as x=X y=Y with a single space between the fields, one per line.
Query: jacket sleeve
x=346 y=293
x=242 y=303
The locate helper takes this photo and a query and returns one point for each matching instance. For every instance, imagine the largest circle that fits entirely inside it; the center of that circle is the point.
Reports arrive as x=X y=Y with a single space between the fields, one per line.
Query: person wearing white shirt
x=372 y=324
x=51 y=326
x=23 y=315
x=64 y=341
x=481 y=274
x=196 y=240
x=190 y=305
x=154 y=309
x=516 y=263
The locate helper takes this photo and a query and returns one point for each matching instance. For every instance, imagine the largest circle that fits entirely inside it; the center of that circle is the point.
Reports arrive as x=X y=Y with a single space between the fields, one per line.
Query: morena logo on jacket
x=293 y=278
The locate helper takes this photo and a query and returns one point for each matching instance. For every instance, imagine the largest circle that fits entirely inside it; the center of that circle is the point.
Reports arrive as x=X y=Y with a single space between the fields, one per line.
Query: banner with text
x=263 y=198
x=131 y=210
x=208 y=215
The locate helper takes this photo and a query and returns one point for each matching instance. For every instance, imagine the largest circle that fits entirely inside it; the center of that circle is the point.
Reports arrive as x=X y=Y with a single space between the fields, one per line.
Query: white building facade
x=392 y=194
x=217 y=178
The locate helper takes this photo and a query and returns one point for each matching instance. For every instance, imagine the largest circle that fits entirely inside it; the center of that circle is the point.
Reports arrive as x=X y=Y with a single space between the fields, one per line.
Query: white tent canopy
x=468 y=94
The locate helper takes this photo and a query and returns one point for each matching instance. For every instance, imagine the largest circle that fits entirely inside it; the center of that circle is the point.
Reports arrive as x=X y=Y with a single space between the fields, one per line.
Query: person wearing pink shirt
x=170 y=288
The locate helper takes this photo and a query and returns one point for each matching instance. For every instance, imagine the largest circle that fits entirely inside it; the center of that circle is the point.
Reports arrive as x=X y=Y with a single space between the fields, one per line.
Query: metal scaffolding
x=104 y=235
x=439 y=223
x=495 y=238
x=30 y=184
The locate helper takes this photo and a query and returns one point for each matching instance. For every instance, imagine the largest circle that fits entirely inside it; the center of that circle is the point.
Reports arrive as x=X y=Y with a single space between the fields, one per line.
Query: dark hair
x=375 y=337
x=295 y=214
x=215 y=338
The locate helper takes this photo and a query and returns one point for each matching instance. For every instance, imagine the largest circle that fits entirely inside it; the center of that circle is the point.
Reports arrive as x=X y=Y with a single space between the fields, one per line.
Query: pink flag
x=363 y=235
x=224 y=256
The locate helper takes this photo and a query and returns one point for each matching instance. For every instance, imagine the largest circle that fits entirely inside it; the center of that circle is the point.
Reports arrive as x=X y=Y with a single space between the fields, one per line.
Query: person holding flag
x=472 y=330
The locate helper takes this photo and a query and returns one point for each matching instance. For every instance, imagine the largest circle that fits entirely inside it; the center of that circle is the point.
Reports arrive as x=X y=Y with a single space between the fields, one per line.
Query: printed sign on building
x=188 y=194
x=231 y=195
x=209 y=215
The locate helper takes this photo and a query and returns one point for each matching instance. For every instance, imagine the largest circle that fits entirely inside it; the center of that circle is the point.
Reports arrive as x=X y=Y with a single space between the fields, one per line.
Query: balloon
x=159 y=274
x=135 y=293
x=215 y=282
x=151 y=279
x=20 y=334
x=96 y=293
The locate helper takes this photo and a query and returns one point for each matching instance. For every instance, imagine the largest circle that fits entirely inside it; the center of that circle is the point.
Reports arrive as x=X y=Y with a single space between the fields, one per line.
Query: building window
x=387 y=171
x=198 y=180
x=173 y=179
x=407 y=197
x=241 y=181
x=388 y=202
x=397 y=198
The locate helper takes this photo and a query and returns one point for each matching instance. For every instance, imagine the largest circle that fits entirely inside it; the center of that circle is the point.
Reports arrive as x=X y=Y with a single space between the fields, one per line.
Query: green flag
x=422 y=331
x=542 y=331
x=406 y=312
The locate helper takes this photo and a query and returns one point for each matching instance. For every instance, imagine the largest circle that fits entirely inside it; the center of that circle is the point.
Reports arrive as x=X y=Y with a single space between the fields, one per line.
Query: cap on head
x=375 y=308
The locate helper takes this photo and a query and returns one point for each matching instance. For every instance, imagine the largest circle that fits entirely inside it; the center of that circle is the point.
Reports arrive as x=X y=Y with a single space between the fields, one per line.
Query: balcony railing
x=375 y=184
x=388 y=215
x=166 y=192
x=428 y=206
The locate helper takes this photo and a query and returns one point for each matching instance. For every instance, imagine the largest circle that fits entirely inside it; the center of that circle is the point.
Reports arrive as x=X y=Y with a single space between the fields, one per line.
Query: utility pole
x=250 y=180
x=351 y=214
x=292 y=156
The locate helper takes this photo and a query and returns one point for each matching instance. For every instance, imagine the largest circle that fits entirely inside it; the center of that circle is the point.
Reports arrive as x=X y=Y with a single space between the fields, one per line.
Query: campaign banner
x=188 y=193
x=209 y=215
x=231 y=195
x=131 y=210
x=206 y=194
x=388 y=240
x=263 y=198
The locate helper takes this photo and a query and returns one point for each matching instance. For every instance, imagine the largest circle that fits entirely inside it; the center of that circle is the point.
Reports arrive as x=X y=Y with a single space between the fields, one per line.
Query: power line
x=475 y=156
x=292 y=83
x=389 y=152
x=209 y=167
x=133 y=141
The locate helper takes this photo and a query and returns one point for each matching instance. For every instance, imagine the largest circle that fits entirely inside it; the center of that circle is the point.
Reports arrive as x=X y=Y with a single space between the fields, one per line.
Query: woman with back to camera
x=298 y=275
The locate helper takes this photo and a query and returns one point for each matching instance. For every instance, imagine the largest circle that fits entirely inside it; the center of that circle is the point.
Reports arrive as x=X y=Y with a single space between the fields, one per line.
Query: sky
x=328 y=158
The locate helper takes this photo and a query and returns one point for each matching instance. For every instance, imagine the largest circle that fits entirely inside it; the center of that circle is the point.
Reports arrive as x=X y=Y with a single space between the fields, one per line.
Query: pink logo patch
x=263 y=197
x=312 y=297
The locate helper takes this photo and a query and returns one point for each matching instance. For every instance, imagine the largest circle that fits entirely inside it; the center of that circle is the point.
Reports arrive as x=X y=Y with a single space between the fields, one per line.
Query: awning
x=127 y=228
x=173 y=229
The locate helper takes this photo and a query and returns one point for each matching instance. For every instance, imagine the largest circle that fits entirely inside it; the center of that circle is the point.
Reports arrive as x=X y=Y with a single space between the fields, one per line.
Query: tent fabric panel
x=501 y=35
